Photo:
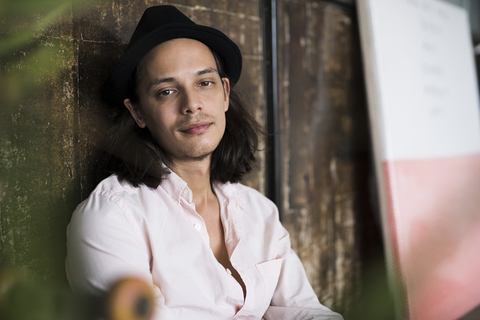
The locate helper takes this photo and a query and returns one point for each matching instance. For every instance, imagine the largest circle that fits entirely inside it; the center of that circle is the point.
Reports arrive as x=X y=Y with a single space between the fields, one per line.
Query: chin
x=196 y=154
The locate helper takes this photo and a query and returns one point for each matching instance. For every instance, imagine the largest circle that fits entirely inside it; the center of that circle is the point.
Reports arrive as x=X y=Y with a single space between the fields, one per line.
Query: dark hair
x=133 y=154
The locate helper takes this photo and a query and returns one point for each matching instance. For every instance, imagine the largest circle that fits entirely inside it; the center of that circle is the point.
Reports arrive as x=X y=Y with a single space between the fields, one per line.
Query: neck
x=197 y=176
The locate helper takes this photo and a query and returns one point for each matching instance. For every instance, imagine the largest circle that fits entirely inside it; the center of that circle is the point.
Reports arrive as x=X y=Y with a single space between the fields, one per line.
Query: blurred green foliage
x=375 y=301
x=24 y=53
x=34 y=61
x=23 y=18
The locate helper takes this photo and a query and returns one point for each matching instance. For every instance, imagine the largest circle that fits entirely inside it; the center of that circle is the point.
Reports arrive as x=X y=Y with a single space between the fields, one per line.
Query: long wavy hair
x=134 y=155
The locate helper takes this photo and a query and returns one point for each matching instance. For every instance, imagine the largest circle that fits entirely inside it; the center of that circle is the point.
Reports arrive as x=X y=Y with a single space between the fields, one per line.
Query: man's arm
x=104 y=244
x=294 y=297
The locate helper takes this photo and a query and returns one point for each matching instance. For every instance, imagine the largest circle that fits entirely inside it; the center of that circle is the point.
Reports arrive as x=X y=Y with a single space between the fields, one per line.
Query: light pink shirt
x=157 y=235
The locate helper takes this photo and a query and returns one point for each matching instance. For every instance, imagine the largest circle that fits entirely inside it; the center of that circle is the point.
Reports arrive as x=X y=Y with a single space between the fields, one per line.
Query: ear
x=226 y=92
x=135 y=113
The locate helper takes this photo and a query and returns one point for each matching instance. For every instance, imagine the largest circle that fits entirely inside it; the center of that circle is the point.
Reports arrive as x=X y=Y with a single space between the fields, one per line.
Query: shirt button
x=184 y=192
x=228 y=271
x=197 y=226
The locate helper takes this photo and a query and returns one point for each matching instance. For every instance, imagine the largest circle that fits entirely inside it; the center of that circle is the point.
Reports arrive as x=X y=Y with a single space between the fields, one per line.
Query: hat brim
x=116 y=86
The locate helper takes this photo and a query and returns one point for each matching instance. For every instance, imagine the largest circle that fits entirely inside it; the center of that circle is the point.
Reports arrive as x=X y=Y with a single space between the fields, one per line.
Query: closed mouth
x=195 y=128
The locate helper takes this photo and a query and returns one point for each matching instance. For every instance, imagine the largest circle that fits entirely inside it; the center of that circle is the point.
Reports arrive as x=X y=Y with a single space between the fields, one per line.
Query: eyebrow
x=207 y=70
x=158 y=81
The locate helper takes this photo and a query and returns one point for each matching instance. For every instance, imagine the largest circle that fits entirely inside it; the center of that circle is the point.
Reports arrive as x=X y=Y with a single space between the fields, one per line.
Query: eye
x=206 y=83
x=165 y=93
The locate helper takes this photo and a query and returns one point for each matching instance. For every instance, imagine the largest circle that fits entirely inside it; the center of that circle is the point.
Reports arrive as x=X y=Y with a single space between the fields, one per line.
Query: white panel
x=427 y=89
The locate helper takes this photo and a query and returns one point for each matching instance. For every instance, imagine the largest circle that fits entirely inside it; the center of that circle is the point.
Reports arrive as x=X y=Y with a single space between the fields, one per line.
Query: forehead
x=177 y=53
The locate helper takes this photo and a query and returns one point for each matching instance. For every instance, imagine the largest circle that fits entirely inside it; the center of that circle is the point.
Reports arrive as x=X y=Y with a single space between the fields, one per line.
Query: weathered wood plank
x=325 y=143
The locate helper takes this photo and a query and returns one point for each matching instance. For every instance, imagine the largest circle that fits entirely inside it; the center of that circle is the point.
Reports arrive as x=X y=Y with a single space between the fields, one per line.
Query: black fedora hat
x=159 y=24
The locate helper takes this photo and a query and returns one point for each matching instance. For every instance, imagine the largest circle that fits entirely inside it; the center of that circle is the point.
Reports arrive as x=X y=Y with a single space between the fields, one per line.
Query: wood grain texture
x=324 y=143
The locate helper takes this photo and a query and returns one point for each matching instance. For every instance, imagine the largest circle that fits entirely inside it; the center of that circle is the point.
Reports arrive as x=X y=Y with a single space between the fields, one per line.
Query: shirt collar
x=175 y=187
x=229 y=194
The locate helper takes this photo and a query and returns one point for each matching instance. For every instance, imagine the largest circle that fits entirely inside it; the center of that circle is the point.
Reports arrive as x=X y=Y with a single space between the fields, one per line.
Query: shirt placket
x=196 y=220
x=233 y=232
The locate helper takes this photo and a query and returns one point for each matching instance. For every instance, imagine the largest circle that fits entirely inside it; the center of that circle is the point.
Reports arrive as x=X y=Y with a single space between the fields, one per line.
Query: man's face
x=183 y=100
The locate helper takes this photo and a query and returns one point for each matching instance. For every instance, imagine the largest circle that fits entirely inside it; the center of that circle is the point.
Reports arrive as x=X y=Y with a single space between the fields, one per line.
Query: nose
x=191 y=102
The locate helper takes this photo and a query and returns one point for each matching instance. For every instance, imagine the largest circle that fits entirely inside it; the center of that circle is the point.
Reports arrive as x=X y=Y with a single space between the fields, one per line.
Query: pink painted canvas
x=434 y=209
x=424 y=107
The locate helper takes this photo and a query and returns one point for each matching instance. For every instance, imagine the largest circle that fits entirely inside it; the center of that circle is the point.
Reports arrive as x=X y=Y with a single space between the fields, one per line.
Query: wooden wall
x=325 y=143
x=53 y=122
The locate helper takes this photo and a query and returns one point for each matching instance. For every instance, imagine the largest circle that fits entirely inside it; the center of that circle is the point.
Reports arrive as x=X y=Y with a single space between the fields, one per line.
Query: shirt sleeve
x=104 y=244
x=294 y=297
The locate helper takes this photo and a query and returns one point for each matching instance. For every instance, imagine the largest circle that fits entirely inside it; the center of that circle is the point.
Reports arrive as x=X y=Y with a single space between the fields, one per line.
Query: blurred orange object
x=129 y=299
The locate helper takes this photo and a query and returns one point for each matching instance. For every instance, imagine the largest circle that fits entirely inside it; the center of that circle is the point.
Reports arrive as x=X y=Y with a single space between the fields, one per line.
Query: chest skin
x=211 y=215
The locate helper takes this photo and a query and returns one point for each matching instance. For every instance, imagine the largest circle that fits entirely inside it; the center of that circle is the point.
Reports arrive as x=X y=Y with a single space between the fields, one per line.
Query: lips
x=196 y=128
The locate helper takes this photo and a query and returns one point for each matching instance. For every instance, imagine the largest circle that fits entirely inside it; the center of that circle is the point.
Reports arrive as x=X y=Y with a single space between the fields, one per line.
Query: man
x=172 y=212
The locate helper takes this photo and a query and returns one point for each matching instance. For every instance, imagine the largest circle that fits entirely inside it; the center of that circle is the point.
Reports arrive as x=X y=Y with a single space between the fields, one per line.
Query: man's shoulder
x=257 y=209
x=247 y=194
x=248 y=190
x=113 y=194
x=117 y=190
x=115 y=185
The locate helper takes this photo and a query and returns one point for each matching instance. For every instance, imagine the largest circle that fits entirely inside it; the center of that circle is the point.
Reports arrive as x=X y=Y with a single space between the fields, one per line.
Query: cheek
x=157 y=126
x=222 y=123
x=156 y=117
